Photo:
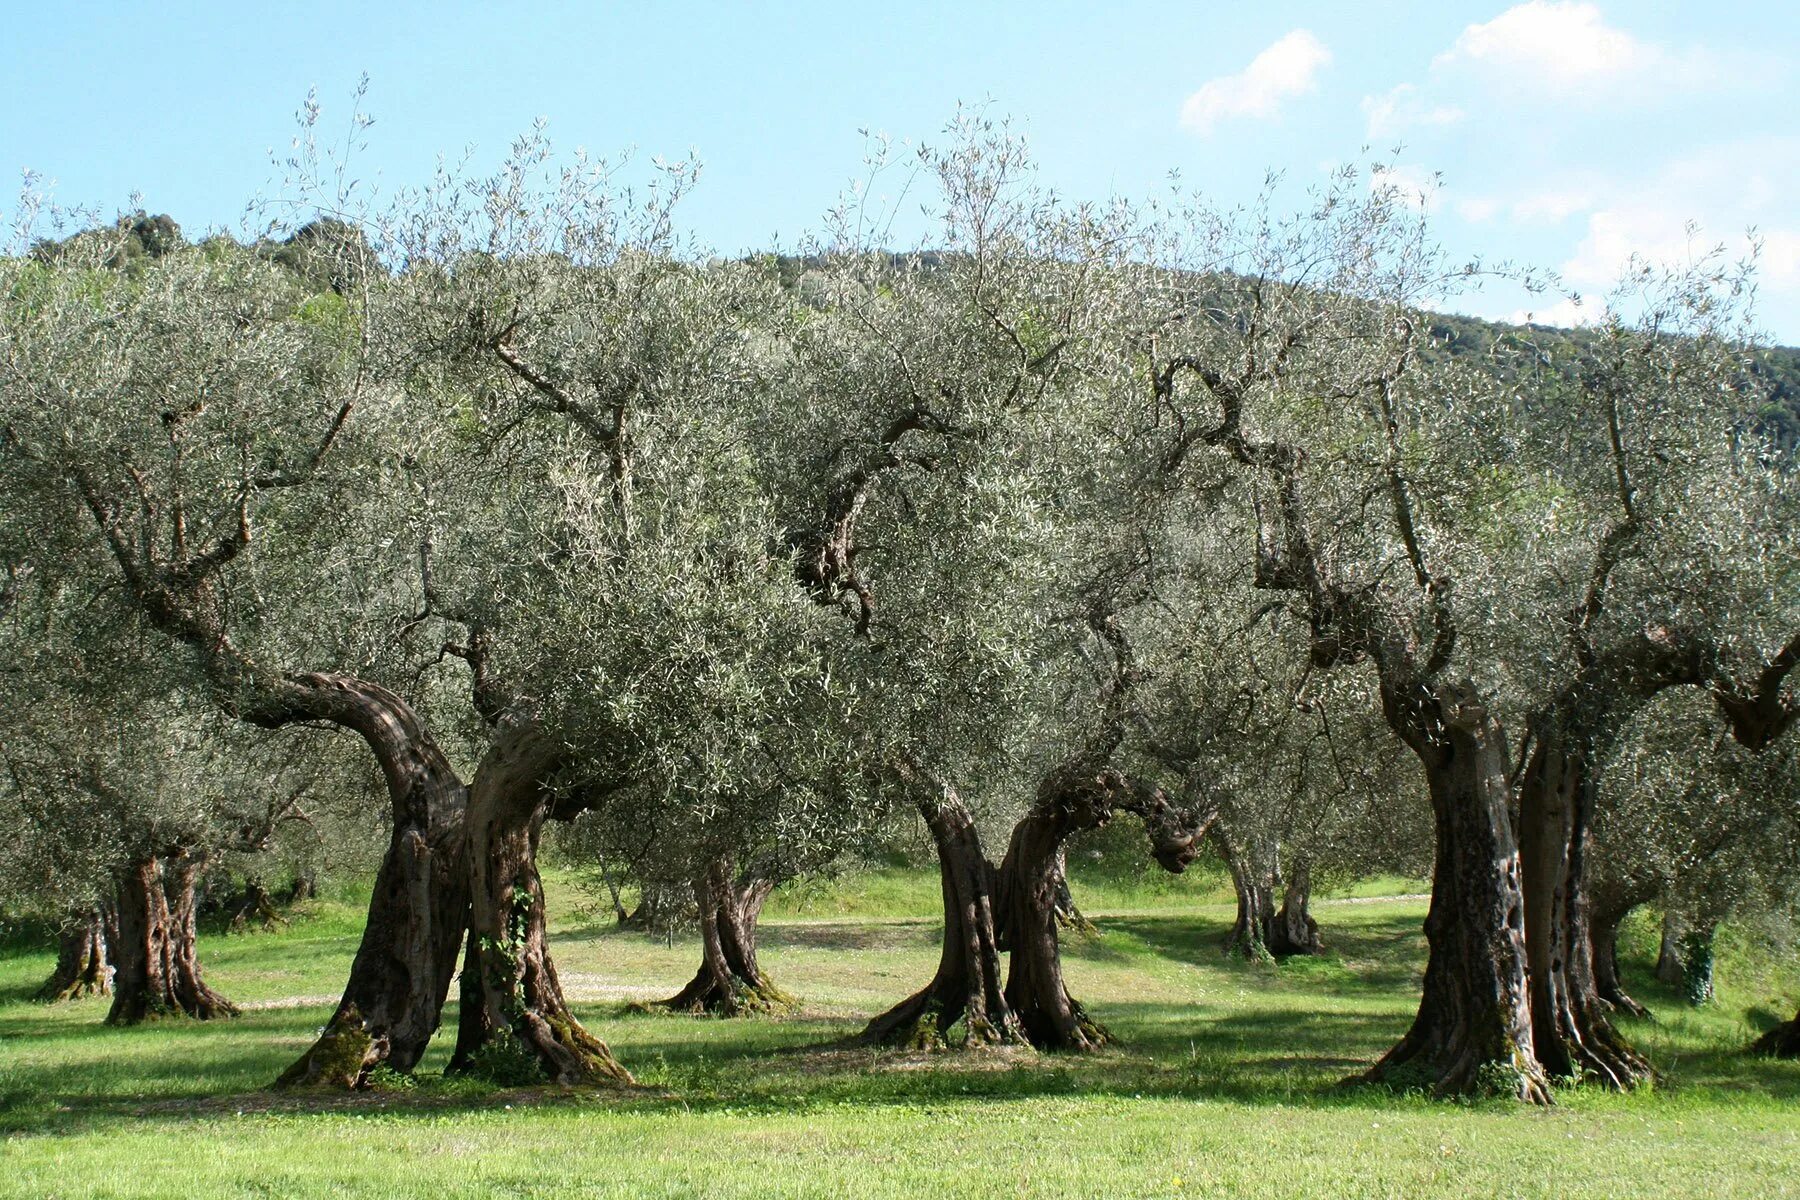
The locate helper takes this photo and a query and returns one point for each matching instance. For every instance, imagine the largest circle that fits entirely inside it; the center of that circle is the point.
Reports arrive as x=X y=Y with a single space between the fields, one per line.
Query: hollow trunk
x=419 y=911
x=1606 y=922
x=192 y=995
x=513 y=1007
x=81 y=961
x=1668 y=951
x=1293 y=930
x=1050 y=1018
x=967 y=986
x=1473 y=1032
x=1571 y=1031
x=729 y=983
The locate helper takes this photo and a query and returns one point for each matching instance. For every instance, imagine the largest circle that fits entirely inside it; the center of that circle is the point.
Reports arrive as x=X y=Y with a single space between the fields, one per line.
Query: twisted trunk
x=1252 y=930
x=1029 y=878
x=141 y=977
x=192 y=995
x=81 y=961
x=730 y=982
x=967 y=985
x=1606 y=922
x=1473 y=1031
x=512 y=1000
x=394 y=998
x=1293 y=930
x=1571 y=1031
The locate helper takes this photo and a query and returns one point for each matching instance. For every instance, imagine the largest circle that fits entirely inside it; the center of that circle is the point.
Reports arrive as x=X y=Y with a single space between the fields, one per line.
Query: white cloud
x=1560 y=44
x=1688 y=206
x=1290 y=67
x=1402 y=108
x=1552 y=53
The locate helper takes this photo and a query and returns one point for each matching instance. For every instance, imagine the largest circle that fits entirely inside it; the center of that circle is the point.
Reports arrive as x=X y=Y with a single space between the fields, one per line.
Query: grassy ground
x=1222 y=1084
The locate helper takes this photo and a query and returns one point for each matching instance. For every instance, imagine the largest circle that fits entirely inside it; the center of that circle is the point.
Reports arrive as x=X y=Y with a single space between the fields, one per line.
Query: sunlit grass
x=1222 y=1082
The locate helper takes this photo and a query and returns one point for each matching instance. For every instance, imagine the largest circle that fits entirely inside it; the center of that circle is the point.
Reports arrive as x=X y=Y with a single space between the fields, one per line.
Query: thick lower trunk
x=1035 y=992
x=141 y=987
x=514 y=1019
x=1473 y=1033
x=730 y=982
x=1783 y=1041
x=157 y=971
x=1251 y=930
x=192 y=995
x=81 y=961
x=1607 y=920
x=1293 y=930
x=967 y=986
x=419 y=911
x=1571 y=1031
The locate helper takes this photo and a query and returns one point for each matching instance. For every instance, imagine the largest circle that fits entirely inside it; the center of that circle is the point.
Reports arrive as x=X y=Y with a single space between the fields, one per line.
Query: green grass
x=1222 y=1083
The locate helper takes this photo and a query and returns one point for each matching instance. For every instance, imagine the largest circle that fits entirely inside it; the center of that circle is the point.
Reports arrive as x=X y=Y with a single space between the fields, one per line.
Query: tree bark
x=419 y=911
x=81 y=961
x=1035 y=992
x=515 y=995
x=141 y=987
x=1606 y=922
x=730 y=982
x=1293 y=930
x=192 y=995
x=1571 y=1031
x=967 y=986
x=1473 y=1030
x=1252 y=928
x=157 y=972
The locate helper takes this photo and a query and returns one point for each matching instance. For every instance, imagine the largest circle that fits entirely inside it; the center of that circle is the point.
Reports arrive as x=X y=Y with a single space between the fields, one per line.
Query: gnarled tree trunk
x=1571 y=1031
x=1050 y=1017
x=1252 y=928
x=1293 y=930
x=967 y=986
x=81 y=960
x=157 y=973
x=419 y=911
x=1473 y=1030
x=1072 y=798
x=510 y=987
x=1606 y=921
x=192 y=994
x=730 y=982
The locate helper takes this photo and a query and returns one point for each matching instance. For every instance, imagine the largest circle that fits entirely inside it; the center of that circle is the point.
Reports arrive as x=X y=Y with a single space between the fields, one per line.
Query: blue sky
x=1566 y=134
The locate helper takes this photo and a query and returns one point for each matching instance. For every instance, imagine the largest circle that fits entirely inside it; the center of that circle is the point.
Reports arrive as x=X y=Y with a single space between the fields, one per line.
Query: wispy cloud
x=1288 y=68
